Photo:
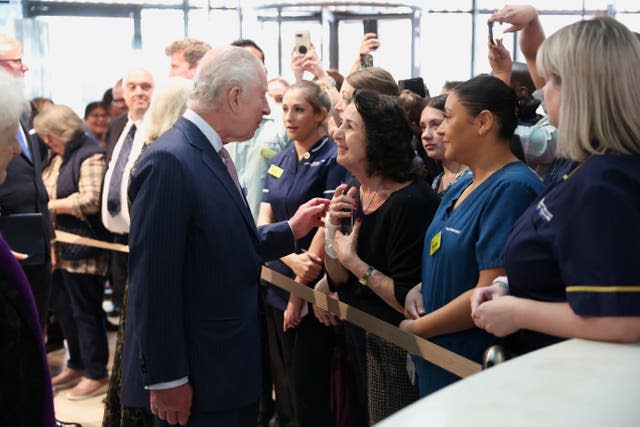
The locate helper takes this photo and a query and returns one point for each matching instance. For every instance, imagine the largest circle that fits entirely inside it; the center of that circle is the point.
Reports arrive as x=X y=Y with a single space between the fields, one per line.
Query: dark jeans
x=244 y=416
x=39 y=277
x=119 y=269
x=77 y=300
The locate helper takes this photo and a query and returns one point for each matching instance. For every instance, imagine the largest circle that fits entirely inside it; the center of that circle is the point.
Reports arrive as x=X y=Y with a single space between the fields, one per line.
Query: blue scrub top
x=578 y=243
x=289 y=184
x=471 y=238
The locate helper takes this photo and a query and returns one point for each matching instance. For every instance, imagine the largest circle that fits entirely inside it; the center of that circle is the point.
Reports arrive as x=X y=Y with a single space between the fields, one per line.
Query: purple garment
x=15 y=275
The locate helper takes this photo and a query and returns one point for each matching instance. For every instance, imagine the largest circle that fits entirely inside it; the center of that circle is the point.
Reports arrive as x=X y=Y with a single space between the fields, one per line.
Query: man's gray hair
x=12 y=100
x=220 y=70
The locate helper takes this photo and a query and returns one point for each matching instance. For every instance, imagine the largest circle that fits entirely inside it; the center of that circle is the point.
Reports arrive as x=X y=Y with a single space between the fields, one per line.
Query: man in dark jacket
x=23 y=191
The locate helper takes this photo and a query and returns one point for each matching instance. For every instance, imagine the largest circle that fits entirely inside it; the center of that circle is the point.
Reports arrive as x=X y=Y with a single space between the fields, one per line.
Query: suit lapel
x=214 y=163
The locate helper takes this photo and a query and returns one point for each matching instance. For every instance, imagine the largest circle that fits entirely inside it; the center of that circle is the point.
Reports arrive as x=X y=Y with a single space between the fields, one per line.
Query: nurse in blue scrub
x=464 y=245
x=572 y=258
x=304 y=170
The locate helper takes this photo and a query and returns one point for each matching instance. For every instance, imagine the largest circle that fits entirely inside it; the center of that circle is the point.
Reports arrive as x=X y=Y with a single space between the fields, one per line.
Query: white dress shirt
x=121 y=221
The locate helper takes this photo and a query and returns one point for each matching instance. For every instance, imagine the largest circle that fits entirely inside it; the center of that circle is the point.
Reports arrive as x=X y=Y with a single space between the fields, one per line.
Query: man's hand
x=308 y=216
x=172 y=405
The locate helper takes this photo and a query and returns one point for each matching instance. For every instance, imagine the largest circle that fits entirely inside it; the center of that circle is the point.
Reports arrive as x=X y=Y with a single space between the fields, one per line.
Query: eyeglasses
x=118 y=101
x=17 y=61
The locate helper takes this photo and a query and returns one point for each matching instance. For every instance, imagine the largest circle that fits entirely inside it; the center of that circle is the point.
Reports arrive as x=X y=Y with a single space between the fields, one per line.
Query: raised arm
x=524 y=18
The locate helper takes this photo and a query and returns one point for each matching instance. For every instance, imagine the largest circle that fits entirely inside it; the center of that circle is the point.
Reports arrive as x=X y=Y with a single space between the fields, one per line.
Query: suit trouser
x=77 y=300
x=119 y=270
x=39 y=277
x=244 y=416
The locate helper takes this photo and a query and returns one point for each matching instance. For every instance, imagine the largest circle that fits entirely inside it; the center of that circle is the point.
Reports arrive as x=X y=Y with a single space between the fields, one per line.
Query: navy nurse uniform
x=579 y=244
x=289 y=184
x=303 y=354
x=462 y=241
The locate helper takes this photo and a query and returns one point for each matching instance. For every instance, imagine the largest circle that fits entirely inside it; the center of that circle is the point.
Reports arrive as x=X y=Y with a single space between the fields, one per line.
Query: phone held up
x=368 y=26
x=495 y=32
x=346 y=225
x=303 y=42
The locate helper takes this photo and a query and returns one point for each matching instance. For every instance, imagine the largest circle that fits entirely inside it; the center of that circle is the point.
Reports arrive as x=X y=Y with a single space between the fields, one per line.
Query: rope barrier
x=429 y=351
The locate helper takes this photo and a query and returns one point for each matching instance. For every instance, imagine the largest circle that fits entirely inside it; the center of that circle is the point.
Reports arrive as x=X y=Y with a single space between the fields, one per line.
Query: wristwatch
x=365 y=277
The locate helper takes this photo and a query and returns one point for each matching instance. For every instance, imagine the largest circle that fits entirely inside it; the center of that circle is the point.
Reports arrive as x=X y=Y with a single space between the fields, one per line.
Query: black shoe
x=111 y=327
x=63 y=424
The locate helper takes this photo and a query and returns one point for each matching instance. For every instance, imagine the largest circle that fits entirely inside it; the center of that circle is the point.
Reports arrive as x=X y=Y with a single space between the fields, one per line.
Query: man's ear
x=234 y=99
x=485 y=119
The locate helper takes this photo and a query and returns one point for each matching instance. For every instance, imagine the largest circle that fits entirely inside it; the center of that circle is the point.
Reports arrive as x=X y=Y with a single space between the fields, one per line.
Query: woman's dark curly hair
x=388 y=136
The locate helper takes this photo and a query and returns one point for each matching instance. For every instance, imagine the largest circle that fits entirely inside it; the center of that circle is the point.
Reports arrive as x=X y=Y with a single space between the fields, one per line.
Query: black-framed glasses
x=17 y=61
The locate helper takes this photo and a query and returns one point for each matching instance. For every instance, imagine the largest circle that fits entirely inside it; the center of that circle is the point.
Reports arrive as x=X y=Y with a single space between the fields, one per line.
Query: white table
x=574 y=383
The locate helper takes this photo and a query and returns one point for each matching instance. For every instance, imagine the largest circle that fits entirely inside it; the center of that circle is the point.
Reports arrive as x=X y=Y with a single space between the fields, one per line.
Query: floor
x=88 y=412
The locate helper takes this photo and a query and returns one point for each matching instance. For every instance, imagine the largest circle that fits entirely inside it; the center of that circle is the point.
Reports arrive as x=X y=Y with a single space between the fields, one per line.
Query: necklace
x=446 y=184
x=368 y=205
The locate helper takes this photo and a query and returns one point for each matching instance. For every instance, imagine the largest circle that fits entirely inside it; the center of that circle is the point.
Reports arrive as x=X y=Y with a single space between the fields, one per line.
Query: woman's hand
x=312 y=63
x=325 y=317
x=295 y=312
x=297 y=64
x=408 y=325
x=369 y=43
x=342 y=205
x=519 y=16
x=306 y=266
x=346 y=245
x=498 y=315
x=500 y=61
x=414 y=303
x=487 y=293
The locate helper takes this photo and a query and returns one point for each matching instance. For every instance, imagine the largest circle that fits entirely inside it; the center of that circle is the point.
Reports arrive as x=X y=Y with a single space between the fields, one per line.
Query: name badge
x=435 y=243
x=275 y=171
x=267 y=153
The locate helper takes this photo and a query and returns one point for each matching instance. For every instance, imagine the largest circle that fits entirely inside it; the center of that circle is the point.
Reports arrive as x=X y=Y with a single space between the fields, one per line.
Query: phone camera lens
x=302 y=49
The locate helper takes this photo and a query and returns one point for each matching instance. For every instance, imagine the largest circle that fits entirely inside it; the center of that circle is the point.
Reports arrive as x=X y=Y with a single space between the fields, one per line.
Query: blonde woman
x=571 y=259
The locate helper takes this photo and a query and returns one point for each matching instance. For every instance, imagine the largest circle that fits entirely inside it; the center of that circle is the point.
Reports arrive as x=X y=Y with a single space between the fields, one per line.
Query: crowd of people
x=480 y=216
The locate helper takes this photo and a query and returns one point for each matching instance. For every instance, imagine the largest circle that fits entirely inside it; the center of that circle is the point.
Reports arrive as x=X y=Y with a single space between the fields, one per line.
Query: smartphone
x=495 y=32
x=370 y=26
x=415 y=85
x=346 y=225
x=490 y=26
x=303 y=42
